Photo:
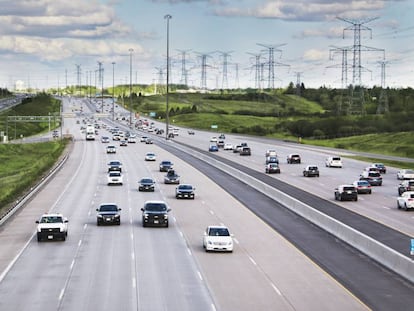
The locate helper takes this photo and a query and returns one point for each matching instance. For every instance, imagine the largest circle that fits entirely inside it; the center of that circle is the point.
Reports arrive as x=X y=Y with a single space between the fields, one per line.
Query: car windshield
x=349 y=189
x=363 y=183
x=108 y=208
x=336 y=159
x=313 y=168
x=51 y=219
x=185 y=187
x=374 y=174
x=165 y=163
x=114 y=163
x=155 y=207
x=146 y=181
x=409 y=172
x=219 y=232
x=114 y=174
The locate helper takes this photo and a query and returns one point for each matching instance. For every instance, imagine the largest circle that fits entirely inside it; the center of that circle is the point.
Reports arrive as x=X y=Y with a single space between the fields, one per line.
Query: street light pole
x=130 y=87
x=167 y=17
x=113 y=91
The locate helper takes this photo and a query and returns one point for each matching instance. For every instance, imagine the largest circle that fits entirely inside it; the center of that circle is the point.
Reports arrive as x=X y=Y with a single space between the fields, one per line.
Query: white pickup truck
x=52 y=226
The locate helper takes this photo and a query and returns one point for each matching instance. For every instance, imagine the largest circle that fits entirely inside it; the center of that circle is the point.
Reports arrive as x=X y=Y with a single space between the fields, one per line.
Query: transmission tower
x=344 y=76
x=271 y=62
x=383 y=100
x=224 y=80
x=257 y=72
x=357 y=100
x=184 y=71
x=78 y=77
x=236 y=65
x=204 y=66
x=298 y=83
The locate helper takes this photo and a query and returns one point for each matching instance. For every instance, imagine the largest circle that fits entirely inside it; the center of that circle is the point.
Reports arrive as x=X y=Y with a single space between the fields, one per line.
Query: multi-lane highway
x=134 y=268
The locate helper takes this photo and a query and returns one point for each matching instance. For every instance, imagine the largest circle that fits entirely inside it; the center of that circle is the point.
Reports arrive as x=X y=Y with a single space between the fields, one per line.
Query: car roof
x=52 y=215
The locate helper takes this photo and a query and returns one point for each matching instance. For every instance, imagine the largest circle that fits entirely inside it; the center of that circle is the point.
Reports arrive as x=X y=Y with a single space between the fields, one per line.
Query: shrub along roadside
x=23 y=165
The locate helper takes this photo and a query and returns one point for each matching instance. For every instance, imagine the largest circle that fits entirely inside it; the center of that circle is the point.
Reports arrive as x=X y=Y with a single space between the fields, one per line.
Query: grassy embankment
x=231 y=116
x=22 y=165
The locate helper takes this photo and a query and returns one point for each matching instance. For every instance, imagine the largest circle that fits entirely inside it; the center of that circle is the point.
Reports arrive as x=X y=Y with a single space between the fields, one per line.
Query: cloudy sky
x=45 y=42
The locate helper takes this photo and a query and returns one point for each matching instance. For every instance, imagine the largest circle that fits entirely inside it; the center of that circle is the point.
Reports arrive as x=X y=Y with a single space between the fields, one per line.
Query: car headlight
x=99 y=216
x=117 y=216
x=145 y=215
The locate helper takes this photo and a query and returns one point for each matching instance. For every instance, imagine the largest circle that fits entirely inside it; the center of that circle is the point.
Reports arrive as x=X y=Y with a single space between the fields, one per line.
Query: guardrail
x=33 y=191
x=379 y=252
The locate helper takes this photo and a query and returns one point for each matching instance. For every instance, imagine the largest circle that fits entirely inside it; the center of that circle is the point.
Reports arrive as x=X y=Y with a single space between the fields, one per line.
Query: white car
x=217 y=238
x=228 y=146
x=405 y=174
x=406 y=200
x=213 y=139
x=271 y=153
x=333 y=162
x=150 y=156
x=115 y=178
x=52 y=226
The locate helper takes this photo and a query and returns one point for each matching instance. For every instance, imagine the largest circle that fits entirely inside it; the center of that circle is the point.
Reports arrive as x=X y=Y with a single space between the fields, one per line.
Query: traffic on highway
x=130 y=240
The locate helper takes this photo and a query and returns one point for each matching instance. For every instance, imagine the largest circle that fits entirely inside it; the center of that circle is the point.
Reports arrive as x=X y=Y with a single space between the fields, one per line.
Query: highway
x=136 y=268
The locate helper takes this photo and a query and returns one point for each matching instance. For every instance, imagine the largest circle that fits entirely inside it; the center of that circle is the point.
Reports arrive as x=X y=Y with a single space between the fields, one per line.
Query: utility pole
x=130 y=87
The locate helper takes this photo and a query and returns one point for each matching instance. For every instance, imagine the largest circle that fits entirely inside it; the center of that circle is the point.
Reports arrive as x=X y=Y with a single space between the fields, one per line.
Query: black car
x=293 y=158
x=311 y=170
x=146 y=184
x=114 y=166
x=165 y=166
x=108 y=213
x=171 y=177
x=184 y=191
x=346 y=193
x=155 y=213
x=380 y=167
x=272 y=168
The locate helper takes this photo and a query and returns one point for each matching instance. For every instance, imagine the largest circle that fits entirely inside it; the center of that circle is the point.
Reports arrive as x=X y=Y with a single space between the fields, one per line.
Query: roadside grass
x=23 y=165
x=392 y=144
x=40 y=105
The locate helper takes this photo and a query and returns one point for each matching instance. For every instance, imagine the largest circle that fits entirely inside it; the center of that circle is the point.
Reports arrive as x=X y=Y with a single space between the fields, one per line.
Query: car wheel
x=370 y=192
x=64 y=238
x=398 y=205
x=166 y=225
x=340 y=197
x=356 y=199
x=39 y=239
x=405 y=207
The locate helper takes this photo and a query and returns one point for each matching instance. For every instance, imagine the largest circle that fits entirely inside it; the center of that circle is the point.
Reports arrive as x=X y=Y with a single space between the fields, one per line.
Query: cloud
x=60 y=18
x=315 y=55
x=305 y=10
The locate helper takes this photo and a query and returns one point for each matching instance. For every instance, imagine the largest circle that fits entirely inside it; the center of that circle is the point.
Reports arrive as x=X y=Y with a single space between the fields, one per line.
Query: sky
x=211 y=43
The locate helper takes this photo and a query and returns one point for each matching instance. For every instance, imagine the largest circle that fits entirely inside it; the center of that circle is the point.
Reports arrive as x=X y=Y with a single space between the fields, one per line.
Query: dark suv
x=108 y=213
x=155 y=213
x=165 y=166
x=346 y=193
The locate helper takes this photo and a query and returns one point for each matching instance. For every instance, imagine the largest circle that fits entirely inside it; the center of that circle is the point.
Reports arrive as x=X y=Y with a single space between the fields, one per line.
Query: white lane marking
x=189 y=251
x=72 y=264
x=134 y=282
x=213 y=307
x=199 y=275
x=252 y=260
x=79 y=243
x=61 y=294
x=211 y=212
x=85 y=226
x=181 y=233
x=386 y=207
x=236 y=241
x=133 y=256
x=276 y=289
